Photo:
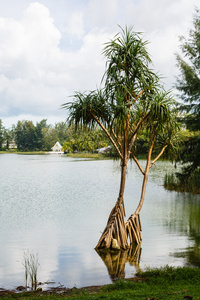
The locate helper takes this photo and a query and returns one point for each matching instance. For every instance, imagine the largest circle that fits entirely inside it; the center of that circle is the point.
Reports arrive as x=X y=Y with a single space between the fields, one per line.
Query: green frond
x=161 y=108
x=128 y=63
x=130 y=96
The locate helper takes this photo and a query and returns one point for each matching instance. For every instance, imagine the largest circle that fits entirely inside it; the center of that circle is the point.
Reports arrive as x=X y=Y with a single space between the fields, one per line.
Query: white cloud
x=75 y=25
x=47 y=52
x=101 y=13
x=36 y=76
x=162 y=22
x=28 y=48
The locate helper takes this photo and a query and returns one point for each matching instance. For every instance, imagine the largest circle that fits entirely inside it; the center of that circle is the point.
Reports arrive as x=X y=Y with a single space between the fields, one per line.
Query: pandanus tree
x=129 y=103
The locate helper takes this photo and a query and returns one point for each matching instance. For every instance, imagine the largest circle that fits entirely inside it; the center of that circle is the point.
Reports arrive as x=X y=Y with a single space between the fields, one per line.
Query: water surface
x=58 y=206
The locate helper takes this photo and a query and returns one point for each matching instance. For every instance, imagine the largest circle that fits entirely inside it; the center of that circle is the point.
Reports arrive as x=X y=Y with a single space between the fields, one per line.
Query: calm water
x=57 y=207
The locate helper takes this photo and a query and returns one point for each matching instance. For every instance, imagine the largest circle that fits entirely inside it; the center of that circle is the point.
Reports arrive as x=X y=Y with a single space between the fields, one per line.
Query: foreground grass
x=166 y=283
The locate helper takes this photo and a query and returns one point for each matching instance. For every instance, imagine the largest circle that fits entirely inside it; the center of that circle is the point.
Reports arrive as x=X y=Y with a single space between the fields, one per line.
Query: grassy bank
x=77 y=155
x=12 y=151
x=165 y=283
x=87 y=155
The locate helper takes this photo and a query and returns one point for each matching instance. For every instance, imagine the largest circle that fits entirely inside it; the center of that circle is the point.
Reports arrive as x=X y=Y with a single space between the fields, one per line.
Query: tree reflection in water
x=184 y=219
x=115 y=261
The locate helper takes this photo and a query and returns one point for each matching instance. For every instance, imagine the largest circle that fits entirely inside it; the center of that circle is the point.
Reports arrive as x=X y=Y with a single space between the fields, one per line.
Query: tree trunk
x=119 y=233
x=133 y=224
x=114 y=235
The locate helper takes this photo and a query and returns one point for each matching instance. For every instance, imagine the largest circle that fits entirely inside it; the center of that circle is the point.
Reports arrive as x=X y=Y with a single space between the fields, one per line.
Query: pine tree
x=188 y=84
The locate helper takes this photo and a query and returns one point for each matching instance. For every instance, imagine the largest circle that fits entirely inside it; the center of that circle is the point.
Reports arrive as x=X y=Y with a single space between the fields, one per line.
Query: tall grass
x=171 y=182
x=31 y=264
x=190 y=184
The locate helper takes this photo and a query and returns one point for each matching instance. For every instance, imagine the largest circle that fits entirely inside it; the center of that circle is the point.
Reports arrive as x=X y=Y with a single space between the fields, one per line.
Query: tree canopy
x=130 y=98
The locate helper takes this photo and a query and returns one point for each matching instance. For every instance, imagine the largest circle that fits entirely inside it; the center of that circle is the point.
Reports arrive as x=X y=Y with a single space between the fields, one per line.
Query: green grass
x=77 y=155
x=165 y=283
x=87 y=155
x=13 y=151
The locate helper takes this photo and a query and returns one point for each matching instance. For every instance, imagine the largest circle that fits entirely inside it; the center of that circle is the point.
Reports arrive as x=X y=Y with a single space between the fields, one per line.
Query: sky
x=50 y=49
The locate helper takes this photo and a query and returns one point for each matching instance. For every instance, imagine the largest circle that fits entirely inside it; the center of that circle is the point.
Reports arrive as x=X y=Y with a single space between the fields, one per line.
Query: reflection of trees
x=115 y=261
x=184 y=218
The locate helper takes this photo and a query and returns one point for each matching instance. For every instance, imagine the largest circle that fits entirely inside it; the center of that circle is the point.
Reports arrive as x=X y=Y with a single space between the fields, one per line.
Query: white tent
x=57 y=148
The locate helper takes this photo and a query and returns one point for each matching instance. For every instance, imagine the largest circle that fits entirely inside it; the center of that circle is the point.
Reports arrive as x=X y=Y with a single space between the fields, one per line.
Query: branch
x=139 y=95
x=108 y=134
x=116 y=138
x=131 y=145
x=133 y=137
x=148 y=165
x=138 y=164
x=159 y=155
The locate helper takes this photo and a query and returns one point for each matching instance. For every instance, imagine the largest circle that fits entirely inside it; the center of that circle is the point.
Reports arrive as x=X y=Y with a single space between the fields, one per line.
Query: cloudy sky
x=49 y=49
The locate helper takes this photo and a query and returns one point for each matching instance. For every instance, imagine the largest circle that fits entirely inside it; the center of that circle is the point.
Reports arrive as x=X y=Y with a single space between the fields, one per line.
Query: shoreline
x=62 y=289
x=164 y=283
x=75 y=155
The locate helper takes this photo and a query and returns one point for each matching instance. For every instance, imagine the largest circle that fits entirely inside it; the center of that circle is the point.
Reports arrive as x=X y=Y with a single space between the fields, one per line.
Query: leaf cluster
x=130 y=100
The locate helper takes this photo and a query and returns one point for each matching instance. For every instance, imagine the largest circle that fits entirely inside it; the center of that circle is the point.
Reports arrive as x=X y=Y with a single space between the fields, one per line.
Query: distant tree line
x=42 y=137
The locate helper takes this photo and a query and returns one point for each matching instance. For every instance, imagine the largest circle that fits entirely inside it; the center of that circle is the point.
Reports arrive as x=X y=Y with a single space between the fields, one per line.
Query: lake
x=57 y=207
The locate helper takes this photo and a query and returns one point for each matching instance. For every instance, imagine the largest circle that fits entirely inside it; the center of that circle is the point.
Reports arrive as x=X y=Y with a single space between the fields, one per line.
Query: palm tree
x=129 y=102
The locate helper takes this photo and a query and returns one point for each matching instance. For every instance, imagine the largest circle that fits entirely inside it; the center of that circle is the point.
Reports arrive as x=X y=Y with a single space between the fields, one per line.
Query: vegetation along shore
x=163 y=283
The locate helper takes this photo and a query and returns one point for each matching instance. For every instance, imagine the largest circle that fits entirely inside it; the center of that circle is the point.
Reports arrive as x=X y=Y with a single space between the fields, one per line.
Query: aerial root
x=115 y=229
x=133 y=229
x=119 y=231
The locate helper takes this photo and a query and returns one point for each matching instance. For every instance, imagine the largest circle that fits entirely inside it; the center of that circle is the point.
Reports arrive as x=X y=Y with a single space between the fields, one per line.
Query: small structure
x=9 y=144
x=57 y=148
x=104 y=150
x=12 y=145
